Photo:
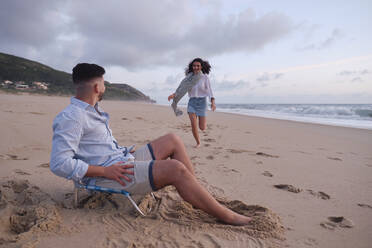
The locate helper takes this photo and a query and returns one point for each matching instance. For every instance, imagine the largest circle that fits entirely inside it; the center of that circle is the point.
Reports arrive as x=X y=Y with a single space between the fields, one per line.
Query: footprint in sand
x=334 y=158
x=267 y=174
x=36 y=113
x=216 y=152
x=364 y=205
x=319 y=194
x=207 y=145
x=209 y=140
x=210 y=157
x=226 y=169
x=184 y=127
x=287 y=187
x=311 y=242
x=258 y=162
x=221 y=127
x=44 y=165
x=266 y=155
x=21 y=172
x=11 y=157
x=335 y=222
x=236 y=150
x=193 y=158
x=266 y=147
x=302 y=152
x=369 y=165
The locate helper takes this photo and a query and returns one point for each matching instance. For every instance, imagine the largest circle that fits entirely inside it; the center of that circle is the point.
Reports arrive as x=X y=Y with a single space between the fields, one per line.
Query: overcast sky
x=260 y=51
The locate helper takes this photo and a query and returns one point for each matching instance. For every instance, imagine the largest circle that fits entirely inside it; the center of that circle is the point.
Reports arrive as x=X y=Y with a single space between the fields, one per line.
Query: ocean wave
x=339 y=111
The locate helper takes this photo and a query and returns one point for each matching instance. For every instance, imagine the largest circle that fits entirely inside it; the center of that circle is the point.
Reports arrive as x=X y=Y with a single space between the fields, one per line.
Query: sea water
x=347 y=115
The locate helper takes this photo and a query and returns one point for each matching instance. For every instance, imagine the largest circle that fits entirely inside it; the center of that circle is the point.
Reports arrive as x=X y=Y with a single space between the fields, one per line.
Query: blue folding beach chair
x=79 y=185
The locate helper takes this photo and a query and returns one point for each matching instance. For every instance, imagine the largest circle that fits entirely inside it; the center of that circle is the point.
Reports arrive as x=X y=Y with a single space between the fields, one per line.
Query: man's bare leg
x=173 y=172
x=171 y=146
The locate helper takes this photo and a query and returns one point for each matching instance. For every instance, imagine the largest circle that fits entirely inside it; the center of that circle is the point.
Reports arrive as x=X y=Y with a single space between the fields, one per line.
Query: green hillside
x=16 y=69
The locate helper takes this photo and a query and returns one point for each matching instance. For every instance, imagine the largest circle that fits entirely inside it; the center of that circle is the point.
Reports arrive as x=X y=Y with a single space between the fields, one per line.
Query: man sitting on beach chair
x=84 y=150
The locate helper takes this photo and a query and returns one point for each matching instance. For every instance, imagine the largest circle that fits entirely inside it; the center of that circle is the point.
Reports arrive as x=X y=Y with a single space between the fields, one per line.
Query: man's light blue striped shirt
x=82 y=137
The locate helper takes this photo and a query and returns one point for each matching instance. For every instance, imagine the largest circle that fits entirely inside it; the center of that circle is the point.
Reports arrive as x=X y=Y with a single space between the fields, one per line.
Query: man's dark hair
x=84 y=72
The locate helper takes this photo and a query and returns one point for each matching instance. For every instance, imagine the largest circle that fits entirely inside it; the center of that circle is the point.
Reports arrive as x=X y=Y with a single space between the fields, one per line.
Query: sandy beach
x=306 y=185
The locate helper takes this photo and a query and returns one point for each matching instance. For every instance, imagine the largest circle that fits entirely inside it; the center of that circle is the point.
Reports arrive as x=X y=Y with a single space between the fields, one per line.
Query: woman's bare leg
x=194 y=127
x=202 y=122
x=171 y=146
x=173 y=172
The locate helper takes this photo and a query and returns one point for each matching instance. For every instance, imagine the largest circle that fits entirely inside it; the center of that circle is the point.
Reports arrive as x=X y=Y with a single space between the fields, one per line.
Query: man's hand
x=117 y=171
x=132 y=149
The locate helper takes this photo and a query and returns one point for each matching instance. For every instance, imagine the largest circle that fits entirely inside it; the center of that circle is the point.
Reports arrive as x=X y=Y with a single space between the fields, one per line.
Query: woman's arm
x=170 y=97
x=210 y=93
x=213 y=104
x=180 y=86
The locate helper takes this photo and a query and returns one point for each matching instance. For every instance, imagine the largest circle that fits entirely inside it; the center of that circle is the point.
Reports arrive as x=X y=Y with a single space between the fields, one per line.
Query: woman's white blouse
x=201 y=88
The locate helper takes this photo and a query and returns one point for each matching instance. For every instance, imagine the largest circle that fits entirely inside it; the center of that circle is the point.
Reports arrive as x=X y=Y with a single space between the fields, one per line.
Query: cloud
x=227 y=85
x=354 y=72
x=269 y=77
x=346 y=73
x=132 y=34
x=336 y=34
x=29 y=23
x=329 y=41
x=357 y=79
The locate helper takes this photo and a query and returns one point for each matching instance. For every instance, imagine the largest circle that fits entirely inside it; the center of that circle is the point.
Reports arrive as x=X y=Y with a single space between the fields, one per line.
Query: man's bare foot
x=242 y=220
x=236 y=219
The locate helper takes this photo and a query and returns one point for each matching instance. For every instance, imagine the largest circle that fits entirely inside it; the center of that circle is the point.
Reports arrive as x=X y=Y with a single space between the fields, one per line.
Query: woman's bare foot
x=197 y=145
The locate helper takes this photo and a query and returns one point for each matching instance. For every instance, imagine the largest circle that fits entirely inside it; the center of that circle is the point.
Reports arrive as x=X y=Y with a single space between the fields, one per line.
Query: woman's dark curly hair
x=206 y=67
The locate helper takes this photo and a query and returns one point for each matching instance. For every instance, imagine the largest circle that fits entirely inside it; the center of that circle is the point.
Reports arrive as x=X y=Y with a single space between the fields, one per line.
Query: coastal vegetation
x=22 y=75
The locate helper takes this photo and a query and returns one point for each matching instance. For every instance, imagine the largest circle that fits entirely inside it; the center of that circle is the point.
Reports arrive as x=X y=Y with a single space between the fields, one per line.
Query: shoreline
x=284 y=118
x=287 y=118
x=312 y=120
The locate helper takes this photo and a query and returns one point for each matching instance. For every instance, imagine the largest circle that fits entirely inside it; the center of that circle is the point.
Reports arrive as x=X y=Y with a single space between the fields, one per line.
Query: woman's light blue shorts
x=197 y=105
